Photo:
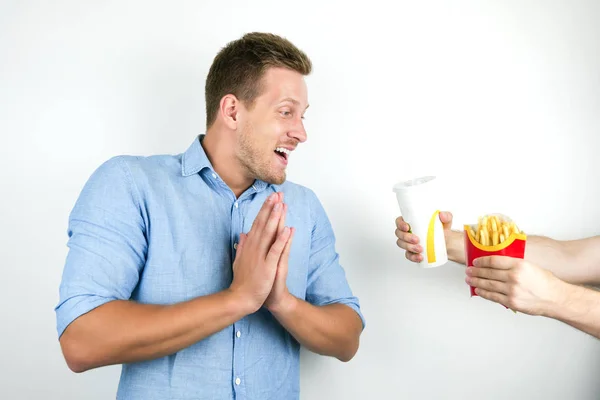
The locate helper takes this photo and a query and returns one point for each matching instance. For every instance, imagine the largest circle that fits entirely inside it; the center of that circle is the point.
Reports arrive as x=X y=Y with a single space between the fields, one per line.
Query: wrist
x=558 y=300
x=285 y=305
x=455 y=246
x=240 y=303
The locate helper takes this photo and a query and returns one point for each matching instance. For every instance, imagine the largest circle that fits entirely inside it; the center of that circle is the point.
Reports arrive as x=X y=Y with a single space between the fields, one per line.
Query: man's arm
x=122 y=331
x=579 y=307
x=523 y=286
x=574 y=261
x=329 y=322
x=331 y=330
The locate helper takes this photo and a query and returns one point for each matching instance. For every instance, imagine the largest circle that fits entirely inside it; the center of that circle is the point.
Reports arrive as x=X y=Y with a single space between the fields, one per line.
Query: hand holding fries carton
x=493 y=235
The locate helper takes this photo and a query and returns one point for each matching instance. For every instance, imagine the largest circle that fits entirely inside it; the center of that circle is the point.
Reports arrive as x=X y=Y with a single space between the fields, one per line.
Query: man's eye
x=286 y=113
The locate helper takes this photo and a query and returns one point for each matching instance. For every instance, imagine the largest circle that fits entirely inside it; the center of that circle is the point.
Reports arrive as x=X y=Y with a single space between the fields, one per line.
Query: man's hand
x=514 y=283
x=410 y=242
x=258 y=254
x=279 y=297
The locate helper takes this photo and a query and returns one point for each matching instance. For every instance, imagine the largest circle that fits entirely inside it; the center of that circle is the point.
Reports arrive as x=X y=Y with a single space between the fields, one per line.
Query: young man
x=204 y=273
x=553 y=291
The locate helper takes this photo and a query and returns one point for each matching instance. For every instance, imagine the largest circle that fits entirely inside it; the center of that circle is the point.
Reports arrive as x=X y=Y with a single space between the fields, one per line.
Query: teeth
x=282 y=150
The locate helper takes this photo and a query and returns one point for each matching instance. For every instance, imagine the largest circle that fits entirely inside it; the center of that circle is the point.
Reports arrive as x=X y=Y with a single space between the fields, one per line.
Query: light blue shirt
x=162 y=230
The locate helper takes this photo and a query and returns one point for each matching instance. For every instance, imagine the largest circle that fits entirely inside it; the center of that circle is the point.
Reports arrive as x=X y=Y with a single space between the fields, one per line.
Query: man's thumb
x=446 y=218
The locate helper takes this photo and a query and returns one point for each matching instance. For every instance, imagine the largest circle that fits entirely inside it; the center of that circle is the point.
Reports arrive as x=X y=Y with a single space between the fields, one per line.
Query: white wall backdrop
x=503 y=97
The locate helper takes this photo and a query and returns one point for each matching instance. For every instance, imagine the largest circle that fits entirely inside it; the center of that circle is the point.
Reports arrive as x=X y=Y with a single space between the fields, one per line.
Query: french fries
x=492 y=230
x=493 y=235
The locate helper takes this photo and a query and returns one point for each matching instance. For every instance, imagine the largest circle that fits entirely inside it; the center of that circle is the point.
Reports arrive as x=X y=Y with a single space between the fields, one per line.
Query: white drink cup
x=418 y=200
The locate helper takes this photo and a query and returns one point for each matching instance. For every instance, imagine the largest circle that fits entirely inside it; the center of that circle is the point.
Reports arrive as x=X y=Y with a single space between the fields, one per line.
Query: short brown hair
x=239 y=67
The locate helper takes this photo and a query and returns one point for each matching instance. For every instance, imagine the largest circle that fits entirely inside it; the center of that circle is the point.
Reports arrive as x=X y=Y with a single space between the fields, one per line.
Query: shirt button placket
x=238 y=353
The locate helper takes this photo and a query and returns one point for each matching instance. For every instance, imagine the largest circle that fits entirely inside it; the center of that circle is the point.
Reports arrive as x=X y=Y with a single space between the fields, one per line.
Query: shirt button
x=238 y=334
x=214 y=176
x=235 y=246
x=238 y=381
x=235 y=204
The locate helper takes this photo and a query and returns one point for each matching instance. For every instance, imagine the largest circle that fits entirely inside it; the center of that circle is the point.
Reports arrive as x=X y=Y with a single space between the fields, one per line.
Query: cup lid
x=411 y=183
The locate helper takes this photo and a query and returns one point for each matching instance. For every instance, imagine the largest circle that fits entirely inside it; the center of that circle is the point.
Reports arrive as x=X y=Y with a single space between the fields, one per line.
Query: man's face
x=273 y=127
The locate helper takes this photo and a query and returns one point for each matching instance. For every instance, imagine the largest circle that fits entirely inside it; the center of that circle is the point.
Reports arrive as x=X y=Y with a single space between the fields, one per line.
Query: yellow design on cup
x=430 y=238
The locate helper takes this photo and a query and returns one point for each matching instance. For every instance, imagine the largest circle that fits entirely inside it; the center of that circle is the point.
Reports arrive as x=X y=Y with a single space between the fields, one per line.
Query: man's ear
x=229 y=109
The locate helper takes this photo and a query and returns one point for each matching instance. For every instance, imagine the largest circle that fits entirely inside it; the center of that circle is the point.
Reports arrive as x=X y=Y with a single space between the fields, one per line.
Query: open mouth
x=284 y=154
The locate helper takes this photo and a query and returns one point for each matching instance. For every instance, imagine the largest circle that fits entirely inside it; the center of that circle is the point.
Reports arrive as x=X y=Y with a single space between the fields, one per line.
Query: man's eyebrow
x=292 y=100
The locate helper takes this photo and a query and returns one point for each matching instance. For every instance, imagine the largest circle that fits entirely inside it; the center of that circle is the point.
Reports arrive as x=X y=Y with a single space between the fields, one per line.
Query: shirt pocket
x=174 y=277
x=206 y=269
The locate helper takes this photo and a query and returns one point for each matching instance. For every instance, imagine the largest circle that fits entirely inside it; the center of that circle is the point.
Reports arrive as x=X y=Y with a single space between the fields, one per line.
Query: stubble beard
x=252 y=158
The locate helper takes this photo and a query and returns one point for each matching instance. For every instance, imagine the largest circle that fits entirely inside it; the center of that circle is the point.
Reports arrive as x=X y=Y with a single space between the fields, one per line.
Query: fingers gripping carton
x=493 y=235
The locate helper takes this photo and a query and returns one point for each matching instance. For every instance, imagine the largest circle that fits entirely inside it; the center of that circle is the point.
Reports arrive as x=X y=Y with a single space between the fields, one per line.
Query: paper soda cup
x=493 y=235
x=419 y=201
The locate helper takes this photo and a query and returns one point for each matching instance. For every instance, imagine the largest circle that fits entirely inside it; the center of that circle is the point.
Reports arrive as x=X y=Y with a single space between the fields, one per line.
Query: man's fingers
x=263 y=214
x=406 y=237
x=413 y=248
x=285 y=254
x=282 y=219
x=492 y=296
x=498 y=262
x=408 y=241
x=277 y=248
x=268 y=234
x=413 y=257
x=488 y=285
x=402 y=225
x=488 y=273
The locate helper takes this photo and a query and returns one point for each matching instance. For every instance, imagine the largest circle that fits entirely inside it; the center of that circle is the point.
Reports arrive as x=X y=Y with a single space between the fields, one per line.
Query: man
x=553 y=291
x=203 y=273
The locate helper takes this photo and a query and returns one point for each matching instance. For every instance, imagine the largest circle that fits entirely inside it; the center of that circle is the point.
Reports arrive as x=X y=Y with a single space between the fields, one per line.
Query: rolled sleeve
x=327 y=283
x=107 y=244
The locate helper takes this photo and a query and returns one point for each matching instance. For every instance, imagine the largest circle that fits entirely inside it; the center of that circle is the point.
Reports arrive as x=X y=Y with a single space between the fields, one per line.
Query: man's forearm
x=455 y=246
x=577 y=306
x=574 y=261
x=331 y=330
x=123 y=331
x=545 y=252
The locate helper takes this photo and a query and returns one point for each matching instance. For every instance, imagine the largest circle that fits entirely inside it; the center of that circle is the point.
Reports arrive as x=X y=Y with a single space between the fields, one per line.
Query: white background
x=500 y=99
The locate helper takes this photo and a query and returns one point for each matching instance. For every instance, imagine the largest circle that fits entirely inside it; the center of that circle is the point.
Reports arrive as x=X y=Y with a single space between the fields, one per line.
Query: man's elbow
x=76 y=354
x=349 y=351
x=76 y=366
x=352 y=342
x=346 y=357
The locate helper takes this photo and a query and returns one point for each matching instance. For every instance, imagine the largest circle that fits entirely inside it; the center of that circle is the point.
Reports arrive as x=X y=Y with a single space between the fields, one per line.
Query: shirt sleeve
x=327 y=283
x=106 y=241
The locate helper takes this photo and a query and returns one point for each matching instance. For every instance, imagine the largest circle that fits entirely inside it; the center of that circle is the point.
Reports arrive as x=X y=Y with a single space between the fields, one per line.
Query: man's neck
x=219 y=149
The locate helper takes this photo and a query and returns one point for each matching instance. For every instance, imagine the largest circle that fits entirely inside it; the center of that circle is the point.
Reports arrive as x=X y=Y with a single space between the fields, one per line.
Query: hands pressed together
x=261 y=263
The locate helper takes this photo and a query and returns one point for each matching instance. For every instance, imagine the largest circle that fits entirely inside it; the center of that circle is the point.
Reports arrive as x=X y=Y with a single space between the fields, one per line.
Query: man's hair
x=239 y=67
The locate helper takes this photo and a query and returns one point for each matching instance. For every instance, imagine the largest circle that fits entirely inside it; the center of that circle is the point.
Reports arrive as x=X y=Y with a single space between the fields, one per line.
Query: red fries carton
x=493 y=235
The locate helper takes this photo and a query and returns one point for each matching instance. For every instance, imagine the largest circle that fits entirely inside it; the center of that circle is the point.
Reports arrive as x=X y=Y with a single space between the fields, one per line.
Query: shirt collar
x=195 y=160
